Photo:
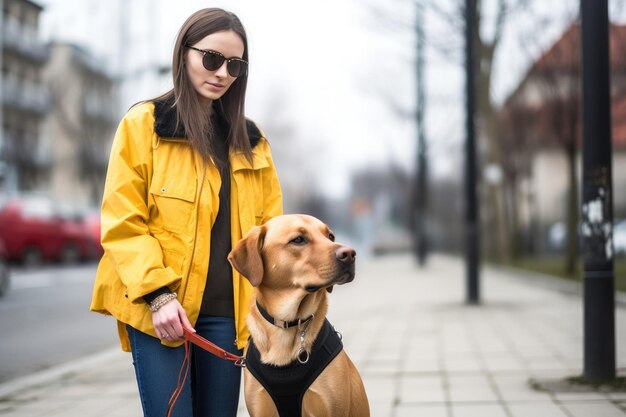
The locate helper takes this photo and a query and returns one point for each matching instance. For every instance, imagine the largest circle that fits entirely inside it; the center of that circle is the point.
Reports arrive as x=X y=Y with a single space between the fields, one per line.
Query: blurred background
x=363 y=104
x=336 y=87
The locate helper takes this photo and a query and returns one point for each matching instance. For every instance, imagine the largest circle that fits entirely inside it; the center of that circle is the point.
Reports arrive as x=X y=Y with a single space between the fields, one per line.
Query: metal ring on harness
x=306 y=355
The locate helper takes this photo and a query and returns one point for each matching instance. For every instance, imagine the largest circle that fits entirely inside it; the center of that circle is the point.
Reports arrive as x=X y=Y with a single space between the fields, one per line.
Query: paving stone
x=547 y=409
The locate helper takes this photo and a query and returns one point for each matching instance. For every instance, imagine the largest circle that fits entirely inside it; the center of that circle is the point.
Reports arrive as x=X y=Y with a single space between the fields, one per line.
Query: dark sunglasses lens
x=237 y=68
x=212 y=61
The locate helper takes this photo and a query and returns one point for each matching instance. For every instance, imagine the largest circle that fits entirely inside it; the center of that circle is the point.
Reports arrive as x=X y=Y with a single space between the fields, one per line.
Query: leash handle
x=192 y=337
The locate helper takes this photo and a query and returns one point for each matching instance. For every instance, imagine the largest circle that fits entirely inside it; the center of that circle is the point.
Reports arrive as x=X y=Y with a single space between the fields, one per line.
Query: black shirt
x=217 y=299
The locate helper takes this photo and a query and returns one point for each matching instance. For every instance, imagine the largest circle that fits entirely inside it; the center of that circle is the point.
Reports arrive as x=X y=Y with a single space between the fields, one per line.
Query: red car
x=91 y=223
x=34 y=229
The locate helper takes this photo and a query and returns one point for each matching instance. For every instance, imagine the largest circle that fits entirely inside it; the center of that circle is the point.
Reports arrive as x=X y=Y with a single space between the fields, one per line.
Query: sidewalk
x=420 y=350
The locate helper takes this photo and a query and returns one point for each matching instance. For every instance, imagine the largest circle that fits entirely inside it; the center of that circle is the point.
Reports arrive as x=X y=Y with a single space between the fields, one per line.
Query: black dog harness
x=287 y=384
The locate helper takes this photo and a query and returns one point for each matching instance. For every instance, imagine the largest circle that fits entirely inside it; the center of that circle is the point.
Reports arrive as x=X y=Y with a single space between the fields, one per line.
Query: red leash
x=191 y=337
x=200 y=341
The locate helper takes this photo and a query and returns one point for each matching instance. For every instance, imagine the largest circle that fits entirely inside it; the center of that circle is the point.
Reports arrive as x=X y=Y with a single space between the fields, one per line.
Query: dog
x=293 y=262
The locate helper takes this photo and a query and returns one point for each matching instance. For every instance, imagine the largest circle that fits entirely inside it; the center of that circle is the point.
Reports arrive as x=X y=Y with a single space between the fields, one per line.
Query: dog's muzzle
x=345 y=270
x=346 y=256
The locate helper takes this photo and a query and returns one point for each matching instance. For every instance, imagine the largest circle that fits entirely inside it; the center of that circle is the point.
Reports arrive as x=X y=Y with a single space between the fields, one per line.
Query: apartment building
x=80 y=125
x=24 y=101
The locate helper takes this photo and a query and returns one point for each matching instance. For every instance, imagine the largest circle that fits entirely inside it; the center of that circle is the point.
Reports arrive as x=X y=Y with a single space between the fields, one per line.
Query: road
x=45 y=320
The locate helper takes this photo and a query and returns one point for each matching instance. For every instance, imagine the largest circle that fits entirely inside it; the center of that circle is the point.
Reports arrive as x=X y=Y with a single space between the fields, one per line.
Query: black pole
x=597 y=204
x=421 y=170
x=472 y=245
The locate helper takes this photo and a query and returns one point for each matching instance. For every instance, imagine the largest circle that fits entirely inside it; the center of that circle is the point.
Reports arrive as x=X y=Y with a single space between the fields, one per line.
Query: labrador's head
x=293 y=251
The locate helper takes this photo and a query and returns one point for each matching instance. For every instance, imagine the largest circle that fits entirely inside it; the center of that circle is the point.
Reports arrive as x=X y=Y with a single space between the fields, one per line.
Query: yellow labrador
x=296 y=365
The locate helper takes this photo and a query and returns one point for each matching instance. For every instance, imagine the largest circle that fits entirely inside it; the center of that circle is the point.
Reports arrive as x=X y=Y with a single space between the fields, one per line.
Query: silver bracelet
x=161 y=300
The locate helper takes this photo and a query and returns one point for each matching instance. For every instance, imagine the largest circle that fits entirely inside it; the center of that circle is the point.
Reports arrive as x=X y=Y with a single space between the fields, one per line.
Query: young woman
x=188 y=176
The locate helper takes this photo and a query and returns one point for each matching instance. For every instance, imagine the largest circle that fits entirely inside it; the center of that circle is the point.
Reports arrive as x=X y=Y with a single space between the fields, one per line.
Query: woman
x=188 y=176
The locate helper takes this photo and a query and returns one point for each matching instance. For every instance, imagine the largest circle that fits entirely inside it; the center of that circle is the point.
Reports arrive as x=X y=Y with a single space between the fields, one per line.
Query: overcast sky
x=327 y=68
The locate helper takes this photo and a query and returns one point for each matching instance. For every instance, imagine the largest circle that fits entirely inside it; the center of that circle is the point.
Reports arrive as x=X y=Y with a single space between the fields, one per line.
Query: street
x=45 y=320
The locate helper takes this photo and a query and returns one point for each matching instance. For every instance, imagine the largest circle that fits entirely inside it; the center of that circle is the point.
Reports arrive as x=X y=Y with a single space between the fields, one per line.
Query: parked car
x=91 y=222
x=619 y=237
x=35 y=229
x=5 y=277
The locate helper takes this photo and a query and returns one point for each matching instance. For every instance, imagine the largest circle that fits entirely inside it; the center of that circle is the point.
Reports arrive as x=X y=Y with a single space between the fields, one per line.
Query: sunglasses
x=213 y=60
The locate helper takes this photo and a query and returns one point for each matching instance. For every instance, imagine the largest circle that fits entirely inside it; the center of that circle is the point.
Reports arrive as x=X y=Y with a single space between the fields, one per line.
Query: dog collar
x=280 y=323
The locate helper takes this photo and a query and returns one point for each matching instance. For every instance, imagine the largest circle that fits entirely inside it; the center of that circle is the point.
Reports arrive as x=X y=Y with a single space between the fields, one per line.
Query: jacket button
x=163 y=190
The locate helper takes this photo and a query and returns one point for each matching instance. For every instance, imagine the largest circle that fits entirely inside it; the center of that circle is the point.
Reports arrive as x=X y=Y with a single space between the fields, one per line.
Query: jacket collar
x=165 y=123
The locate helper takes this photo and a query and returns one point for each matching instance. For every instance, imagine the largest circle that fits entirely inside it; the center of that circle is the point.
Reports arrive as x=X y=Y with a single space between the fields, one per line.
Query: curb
x=54 y=373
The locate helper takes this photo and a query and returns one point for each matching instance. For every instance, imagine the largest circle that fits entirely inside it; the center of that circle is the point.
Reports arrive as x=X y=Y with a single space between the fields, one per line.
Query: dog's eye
x=331 y=237
x=298 y=241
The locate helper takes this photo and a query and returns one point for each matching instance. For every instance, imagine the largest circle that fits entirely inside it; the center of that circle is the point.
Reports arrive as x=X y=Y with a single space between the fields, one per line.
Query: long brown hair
x=189 y=112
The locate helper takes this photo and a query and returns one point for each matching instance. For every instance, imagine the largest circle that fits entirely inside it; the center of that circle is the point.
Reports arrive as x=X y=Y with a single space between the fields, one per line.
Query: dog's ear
x=246 y=256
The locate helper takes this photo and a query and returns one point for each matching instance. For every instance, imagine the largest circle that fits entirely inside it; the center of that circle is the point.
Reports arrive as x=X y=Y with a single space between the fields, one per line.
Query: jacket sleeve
x=126 y=239
x=273 y=196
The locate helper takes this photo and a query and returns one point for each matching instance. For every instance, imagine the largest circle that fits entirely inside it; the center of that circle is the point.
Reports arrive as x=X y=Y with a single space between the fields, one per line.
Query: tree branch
x=455 y=17
x=500 y=20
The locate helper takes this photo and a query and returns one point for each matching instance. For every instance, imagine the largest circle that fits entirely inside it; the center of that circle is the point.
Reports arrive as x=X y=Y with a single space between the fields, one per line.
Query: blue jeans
x=212 y=389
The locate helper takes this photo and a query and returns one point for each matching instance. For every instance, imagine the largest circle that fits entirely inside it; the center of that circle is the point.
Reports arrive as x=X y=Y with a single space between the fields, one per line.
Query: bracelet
x=161 y=300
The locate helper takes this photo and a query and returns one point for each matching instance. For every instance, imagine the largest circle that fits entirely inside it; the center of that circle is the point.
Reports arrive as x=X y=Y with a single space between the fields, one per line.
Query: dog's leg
x=258 y=401
x=337 y=392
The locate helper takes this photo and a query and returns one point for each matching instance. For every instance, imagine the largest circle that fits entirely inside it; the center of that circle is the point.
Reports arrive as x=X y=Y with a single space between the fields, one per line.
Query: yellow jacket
x=160 y=202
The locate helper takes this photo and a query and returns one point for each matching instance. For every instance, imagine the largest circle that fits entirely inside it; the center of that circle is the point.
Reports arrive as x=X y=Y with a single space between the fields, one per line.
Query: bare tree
x=488 y=113
x=517 y=156
x=493 y=17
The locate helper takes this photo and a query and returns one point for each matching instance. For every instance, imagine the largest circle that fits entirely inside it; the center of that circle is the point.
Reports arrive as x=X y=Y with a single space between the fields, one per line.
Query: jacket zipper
x=195 y=236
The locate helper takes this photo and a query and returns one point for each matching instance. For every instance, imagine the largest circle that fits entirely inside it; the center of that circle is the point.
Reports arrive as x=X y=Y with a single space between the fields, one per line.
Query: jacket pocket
x=174 y=200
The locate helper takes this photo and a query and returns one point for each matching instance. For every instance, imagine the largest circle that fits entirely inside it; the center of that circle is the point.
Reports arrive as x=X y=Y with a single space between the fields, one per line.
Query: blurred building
x=23 y=161
x=542 y=132
x=80 y=125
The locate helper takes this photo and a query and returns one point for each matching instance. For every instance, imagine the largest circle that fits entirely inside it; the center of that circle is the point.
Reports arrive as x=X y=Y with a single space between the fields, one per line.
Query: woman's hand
x=169 y=321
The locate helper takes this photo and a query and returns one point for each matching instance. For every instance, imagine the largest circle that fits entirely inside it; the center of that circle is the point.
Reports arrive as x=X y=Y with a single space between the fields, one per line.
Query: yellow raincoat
x=160 y=202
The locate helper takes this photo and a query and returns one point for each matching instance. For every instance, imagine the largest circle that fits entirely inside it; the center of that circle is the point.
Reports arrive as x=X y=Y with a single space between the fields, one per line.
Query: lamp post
x=472 y=238
x=597 y=194
x=421 y=169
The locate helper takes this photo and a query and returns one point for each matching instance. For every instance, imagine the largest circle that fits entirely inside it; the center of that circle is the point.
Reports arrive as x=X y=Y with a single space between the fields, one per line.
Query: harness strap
x=287 y=384
x=191 y=337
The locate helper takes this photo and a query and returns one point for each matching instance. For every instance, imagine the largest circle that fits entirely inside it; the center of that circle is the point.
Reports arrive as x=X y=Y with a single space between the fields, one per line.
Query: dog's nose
x=345 y=254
